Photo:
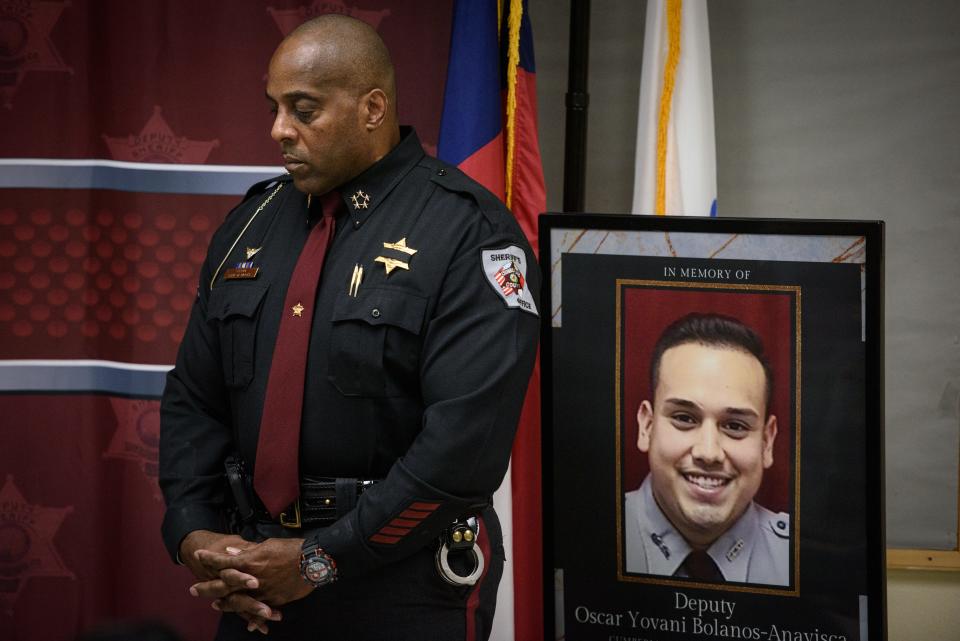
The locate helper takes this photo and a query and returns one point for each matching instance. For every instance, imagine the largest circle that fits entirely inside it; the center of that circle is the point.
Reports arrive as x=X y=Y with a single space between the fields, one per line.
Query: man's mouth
x=291 y=163
x=707 y=483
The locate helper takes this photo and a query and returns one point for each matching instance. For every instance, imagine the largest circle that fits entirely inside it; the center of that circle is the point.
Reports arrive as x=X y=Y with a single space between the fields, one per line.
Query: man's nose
x=281 y=129
x=706 y=446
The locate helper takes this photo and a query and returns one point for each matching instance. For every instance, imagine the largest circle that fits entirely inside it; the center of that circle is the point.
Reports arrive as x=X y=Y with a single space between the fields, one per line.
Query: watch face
x=317 y=571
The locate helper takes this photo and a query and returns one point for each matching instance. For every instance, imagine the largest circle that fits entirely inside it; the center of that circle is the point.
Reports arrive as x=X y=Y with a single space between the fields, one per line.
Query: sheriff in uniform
x=708 y=436
x=422 y=338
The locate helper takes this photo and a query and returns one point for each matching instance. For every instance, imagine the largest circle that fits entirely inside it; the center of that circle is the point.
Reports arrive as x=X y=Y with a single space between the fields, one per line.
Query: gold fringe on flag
x=513 y=61
x=674 y=14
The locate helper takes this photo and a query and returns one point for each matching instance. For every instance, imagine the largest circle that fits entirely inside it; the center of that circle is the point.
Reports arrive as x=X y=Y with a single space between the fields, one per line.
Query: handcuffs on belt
x=460 y=537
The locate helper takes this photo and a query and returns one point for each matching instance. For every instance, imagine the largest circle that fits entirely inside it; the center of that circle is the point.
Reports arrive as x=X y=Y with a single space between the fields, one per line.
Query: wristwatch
x=316 y=566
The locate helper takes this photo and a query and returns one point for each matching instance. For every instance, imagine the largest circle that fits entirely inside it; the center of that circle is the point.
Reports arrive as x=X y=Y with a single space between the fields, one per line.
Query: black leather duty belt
x=323 y=500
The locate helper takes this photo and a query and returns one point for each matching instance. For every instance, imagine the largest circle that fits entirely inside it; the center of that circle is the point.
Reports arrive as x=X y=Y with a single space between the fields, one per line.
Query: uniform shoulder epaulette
x=262 y=186
x=779 y=524
x=452 y=179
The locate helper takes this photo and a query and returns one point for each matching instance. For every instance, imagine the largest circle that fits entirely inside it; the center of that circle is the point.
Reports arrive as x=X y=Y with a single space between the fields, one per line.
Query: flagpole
x=575 y=146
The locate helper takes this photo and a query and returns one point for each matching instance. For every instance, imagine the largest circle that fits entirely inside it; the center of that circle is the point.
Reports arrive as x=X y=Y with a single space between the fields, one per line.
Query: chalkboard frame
x=872 y=233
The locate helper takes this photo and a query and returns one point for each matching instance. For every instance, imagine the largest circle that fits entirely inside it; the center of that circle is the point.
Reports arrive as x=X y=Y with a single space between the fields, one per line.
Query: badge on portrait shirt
x=506 y=271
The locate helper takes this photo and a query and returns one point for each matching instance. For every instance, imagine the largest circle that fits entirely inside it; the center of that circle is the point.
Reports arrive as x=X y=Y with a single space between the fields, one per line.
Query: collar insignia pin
x=658 y=541
x=297 y=310
x=735 y=550
x=360 y=199
x=252 y=251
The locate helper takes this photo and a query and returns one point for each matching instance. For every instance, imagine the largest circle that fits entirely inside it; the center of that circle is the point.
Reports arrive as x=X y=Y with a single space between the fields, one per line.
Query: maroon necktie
x=276 y=475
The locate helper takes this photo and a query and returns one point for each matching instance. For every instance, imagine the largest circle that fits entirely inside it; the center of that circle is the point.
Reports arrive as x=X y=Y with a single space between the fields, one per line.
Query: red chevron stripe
x=388 y=540
x=413 y=514
x=397 y=531
x=405 y=523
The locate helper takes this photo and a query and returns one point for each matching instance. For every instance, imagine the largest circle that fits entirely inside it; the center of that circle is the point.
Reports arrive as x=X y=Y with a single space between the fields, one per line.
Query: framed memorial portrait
x=712 y=434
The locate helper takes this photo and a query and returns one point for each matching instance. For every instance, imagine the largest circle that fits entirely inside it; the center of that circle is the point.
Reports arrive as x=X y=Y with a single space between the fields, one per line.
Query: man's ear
x=645 y=423
x=769 y=435
x=374 y=106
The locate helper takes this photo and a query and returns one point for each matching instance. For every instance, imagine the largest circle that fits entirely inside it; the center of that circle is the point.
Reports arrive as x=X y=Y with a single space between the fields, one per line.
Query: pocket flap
x=235 y=300
x=377 y=306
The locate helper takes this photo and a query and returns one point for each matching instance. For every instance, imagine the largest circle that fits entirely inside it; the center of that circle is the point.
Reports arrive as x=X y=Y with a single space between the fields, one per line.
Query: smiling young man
x=346 y=394
x=709 y=437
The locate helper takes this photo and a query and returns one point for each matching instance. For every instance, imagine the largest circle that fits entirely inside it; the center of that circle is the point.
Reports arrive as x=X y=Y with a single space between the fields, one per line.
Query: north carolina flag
x=489 y=130
x=676 y=161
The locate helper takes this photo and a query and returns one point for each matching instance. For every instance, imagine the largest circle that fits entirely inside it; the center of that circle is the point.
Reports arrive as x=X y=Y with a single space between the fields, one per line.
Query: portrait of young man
x=708 y=432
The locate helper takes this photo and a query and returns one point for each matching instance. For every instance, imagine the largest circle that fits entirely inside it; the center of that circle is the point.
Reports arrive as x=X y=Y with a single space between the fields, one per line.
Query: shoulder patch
x=506 y=271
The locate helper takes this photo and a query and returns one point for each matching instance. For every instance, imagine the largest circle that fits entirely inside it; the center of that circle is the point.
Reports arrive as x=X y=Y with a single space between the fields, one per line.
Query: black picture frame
x=812 y=290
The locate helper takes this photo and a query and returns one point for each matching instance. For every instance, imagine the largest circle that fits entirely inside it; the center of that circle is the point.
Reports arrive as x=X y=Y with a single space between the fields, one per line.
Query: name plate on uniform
x=241 y=273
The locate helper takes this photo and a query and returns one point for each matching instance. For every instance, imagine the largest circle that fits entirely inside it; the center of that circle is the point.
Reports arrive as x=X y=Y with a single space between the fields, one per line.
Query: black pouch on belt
x=326 y=499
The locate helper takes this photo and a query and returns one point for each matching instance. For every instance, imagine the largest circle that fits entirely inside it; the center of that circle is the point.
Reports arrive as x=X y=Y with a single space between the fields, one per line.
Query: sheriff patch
x=506 y=271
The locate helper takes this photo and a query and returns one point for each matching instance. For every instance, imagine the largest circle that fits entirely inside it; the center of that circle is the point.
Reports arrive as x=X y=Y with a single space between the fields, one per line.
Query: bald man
x=421 y=339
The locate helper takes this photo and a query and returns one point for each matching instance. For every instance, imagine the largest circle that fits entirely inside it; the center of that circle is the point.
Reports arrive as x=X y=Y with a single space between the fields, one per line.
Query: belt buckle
x=295 y=523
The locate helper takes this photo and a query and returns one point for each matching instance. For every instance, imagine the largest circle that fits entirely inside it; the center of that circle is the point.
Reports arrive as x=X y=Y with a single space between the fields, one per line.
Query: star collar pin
x=297 y=309
x=360 y=199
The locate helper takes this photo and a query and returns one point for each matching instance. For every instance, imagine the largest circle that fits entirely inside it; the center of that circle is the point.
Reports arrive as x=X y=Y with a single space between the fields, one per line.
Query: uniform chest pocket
x=375 y=343
x=235 y=310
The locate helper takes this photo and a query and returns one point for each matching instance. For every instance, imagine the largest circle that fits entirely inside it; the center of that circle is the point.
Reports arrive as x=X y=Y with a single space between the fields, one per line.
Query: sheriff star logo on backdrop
x=289 y=19
x=26 y=543
x=156 y=142
x=137 y=437
x=25 y=43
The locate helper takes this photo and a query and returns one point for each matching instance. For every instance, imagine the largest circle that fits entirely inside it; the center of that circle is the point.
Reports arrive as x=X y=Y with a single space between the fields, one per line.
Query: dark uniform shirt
x=417 y=377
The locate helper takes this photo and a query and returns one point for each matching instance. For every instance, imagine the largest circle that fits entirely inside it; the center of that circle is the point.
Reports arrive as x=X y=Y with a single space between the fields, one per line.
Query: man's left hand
x=274 y=564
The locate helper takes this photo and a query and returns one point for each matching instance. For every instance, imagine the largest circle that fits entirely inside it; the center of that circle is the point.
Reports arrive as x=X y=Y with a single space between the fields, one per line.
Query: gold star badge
x=297 y=309
x=391 y=264
x=360 y=200
x=252 y=251
x=401 y=246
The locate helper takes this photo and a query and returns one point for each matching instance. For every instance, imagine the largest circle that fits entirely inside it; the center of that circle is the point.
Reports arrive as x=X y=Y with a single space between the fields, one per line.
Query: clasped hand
x=249 y=579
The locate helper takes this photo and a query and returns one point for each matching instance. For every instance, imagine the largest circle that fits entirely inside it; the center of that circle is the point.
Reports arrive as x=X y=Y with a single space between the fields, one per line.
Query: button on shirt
x=416 y=370
x=756 y=549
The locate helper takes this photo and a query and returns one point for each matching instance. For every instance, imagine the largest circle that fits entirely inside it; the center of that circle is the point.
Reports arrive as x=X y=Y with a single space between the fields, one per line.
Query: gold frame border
x=795 y=519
